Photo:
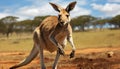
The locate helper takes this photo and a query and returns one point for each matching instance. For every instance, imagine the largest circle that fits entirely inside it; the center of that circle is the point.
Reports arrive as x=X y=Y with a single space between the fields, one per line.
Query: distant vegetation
x=10 y=24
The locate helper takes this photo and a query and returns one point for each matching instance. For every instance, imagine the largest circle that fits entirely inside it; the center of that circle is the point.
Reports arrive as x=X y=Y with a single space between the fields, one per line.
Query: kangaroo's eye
x=67 y=16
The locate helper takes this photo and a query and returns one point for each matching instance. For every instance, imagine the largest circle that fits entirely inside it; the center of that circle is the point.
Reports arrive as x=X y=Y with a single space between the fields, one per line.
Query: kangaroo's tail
x=31 y=56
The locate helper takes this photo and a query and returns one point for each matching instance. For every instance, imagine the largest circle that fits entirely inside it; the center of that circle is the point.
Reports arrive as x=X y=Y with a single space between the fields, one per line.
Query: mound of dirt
x=97 y=62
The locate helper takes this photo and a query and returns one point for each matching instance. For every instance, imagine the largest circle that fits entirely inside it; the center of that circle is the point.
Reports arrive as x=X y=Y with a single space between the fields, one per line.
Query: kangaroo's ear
x=56 y=7
x=70 y=6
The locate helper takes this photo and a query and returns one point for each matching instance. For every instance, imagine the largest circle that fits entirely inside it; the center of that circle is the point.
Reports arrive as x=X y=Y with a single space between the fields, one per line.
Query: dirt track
x=92 y=58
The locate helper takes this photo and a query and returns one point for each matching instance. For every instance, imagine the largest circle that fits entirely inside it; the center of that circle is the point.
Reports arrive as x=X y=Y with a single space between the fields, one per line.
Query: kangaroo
x=52 y=35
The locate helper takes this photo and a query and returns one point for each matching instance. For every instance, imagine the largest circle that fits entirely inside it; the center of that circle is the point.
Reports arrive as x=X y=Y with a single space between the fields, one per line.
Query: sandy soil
x=91 y=58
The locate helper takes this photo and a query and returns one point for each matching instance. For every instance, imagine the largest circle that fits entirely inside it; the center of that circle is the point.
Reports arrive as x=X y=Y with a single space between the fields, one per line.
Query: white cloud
x=3 y=15
x=41 y=8
x=46 y=9
x=36 y=10
x=77 y=11
x=109 y=9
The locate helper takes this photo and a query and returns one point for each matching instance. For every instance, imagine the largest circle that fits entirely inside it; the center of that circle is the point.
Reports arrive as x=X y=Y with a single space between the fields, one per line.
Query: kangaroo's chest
x=60 y=37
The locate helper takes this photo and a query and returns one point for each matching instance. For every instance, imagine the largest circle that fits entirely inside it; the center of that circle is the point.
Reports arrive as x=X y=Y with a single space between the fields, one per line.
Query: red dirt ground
x=92 y=58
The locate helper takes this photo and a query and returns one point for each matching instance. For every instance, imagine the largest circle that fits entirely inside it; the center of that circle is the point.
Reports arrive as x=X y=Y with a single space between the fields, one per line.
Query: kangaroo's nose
x=62 y=22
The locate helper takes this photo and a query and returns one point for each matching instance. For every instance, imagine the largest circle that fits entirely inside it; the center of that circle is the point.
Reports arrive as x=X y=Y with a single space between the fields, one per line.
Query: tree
x=38 y=19
x=2 y=27
x=8 y=23
x=82 y=21
x=100 y=22
x=28 y=25
x=116 y=21
x=24 y=26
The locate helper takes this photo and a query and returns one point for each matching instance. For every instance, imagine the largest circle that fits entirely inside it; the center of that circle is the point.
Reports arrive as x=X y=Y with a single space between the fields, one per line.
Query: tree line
x=11 y=24
x=87 y=22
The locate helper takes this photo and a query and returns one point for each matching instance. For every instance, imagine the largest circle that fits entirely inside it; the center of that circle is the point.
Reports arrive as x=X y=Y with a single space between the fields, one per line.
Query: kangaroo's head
x=64 y=13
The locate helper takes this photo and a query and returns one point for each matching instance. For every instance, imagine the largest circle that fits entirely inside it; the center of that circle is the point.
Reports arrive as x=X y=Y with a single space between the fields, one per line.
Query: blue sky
x=28 y=9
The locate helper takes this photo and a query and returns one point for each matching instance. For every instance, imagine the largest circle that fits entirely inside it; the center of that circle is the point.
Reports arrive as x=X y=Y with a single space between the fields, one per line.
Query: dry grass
x=21 y=42
x=105 y=38
x=24 y=42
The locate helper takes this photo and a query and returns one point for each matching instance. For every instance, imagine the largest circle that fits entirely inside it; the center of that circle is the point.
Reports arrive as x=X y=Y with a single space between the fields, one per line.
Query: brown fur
x=48 y=26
